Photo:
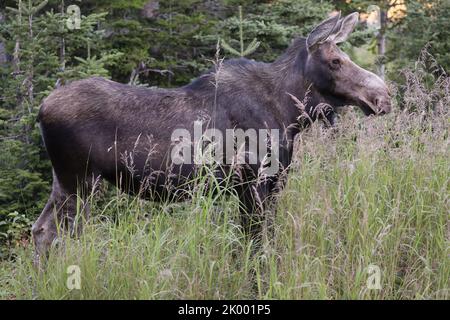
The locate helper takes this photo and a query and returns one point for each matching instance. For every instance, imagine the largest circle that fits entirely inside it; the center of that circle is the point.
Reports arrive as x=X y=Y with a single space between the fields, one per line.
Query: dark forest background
x=167 y=43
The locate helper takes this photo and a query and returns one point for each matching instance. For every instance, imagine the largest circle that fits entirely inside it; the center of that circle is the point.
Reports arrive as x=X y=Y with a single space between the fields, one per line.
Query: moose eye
x=335 y=63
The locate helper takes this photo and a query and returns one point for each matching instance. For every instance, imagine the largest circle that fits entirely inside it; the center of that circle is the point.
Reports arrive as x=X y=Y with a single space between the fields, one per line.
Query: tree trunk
x=3 y=58
x=62 y=51
x=30 y=77
x=381 y=43
x=16 y=54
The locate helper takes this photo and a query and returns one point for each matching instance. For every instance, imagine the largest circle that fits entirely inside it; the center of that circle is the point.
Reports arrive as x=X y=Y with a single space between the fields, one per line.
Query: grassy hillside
x=368 y=194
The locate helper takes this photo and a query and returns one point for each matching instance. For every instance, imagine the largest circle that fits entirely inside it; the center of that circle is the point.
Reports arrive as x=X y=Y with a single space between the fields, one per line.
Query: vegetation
x=366 y=192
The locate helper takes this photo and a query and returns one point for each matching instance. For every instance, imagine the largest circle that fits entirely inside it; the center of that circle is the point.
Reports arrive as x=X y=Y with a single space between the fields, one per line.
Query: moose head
x=337 y=78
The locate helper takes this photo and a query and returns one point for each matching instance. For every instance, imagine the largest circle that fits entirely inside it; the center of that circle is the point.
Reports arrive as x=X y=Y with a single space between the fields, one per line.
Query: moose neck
x=290 y=79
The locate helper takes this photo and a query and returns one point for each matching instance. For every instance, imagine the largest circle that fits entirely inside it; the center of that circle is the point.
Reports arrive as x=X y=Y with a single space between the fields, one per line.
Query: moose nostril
x=382 y=105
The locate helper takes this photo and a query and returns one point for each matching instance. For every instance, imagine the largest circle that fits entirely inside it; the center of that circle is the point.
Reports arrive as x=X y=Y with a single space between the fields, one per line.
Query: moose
x=89 y=125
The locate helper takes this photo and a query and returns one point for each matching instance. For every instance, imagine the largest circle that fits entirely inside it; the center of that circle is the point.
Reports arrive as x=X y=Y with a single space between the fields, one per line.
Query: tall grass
x=368 y=192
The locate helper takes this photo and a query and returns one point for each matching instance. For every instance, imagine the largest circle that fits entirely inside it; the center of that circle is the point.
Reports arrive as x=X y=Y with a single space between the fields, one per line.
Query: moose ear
x=344 y=28
x=322 y=31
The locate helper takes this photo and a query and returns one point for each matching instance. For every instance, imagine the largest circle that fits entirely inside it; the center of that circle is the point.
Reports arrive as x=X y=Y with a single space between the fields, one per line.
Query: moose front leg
x=256 y=209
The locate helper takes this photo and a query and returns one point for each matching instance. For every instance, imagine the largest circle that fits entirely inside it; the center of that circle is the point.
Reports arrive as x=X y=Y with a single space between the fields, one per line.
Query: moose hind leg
x=60 y=214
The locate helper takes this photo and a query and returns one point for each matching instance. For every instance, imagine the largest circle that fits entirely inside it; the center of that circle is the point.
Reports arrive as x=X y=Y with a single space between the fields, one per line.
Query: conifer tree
x=243 y=52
